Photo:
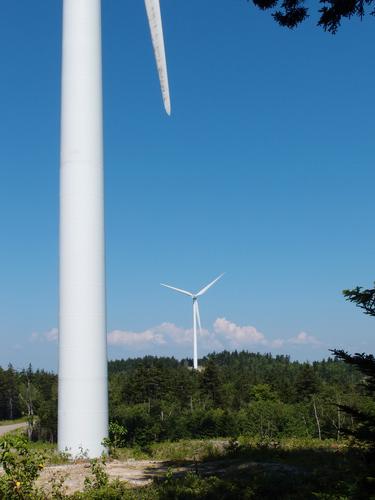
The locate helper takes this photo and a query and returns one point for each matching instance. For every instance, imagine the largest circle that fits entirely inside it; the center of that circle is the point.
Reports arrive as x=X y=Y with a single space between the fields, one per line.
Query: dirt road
x=4 y=429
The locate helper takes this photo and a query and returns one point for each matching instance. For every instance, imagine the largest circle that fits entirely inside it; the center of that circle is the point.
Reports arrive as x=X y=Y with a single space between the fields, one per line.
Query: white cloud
x=128 y=338
x=168 y=339
x=277 y=344
x=305 y=339
x=301 y=339
x=163 y=335
x=225 y=334
x=238 y=336
x=49 y=336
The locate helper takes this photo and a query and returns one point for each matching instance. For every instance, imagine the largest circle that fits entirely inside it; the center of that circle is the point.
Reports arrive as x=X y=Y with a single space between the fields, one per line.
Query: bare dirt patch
x=135 y=472
x=138 y=473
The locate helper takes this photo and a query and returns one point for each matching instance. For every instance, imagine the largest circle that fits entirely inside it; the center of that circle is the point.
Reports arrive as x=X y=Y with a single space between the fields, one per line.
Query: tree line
x=233 y=393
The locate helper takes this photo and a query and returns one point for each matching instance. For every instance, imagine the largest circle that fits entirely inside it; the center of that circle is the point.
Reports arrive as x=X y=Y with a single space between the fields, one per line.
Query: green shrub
x=116 y=438
x=99 y=477
x=116 y=490
x=21 y=468
x=192 y=487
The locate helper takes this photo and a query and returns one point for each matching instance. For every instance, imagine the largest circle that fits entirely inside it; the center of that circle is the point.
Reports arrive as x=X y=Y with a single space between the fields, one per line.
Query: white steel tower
x=83 y=391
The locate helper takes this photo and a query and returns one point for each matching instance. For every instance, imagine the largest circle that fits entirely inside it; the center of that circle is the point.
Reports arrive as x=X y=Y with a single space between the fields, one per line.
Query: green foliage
x=260 y=469
x=250 y=469
x=265 y=418
x=116 y=438
x=362 y=413
x=21 y=468
x=141 y=428
x=193 y=486
x=291 y=13
x=116 y=490
x=263 y=392
x=185 y=449
x=99 y=478
x=362 y=410
x=211 y=383
x=363 y=298
x=307 y=383
x=117 y=435
x=10 y=406
x=58 y=488
x=158 y=399
x=47 y=417
x=30 y=394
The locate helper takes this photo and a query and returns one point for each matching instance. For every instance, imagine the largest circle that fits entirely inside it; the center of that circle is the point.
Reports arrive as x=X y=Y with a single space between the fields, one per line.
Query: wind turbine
x=83 y=385
x=196 y=315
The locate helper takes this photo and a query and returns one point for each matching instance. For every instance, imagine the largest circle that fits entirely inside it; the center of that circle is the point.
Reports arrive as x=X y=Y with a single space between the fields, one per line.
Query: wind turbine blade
x=177 y=289
x=198 y=316
x=156 y=28
x=204 y=290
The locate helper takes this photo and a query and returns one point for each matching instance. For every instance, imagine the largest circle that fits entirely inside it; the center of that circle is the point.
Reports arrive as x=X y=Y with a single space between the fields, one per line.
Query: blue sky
x=264 y=171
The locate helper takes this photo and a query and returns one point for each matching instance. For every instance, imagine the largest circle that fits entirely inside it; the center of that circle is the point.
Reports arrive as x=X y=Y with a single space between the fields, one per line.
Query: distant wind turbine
x=196 y=315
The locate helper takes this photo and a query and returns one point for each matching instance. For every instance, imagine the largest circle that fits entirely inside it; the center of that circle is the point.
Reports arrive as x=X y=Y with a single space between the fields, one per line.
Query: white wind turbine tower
x=83 y=391
x=196 y=315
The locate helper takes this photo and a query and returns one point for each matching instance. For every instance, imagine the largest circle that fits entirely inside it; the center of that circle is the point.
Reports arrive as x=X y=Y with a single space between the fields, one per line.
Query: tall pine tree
x=364 y=431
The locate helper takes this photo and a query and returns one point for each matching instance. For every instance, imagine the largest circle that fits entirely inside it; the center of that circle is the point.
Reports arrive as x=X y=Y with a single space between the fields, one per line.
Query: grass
x=252 y=468
x=248 y=468
x=49 y=450
x=292 y=451
x=211 y=449
x=185 y=449
x=173 y=451
x=302 y=453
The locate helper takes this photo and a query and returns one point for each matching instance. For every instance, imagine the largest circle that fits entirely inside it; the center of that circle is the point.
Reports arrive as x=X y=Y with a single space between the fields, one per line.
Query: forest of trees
x=234 y=393
x=32 y=394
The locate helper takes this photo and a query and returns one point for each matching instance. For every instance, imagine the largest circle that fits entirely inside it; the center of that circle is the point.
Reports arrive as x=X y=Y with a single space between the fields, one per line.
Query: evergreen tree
x=307 y=383
x=363 y=298
x=291 y=13
x=211 y=383
x=365 y=364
